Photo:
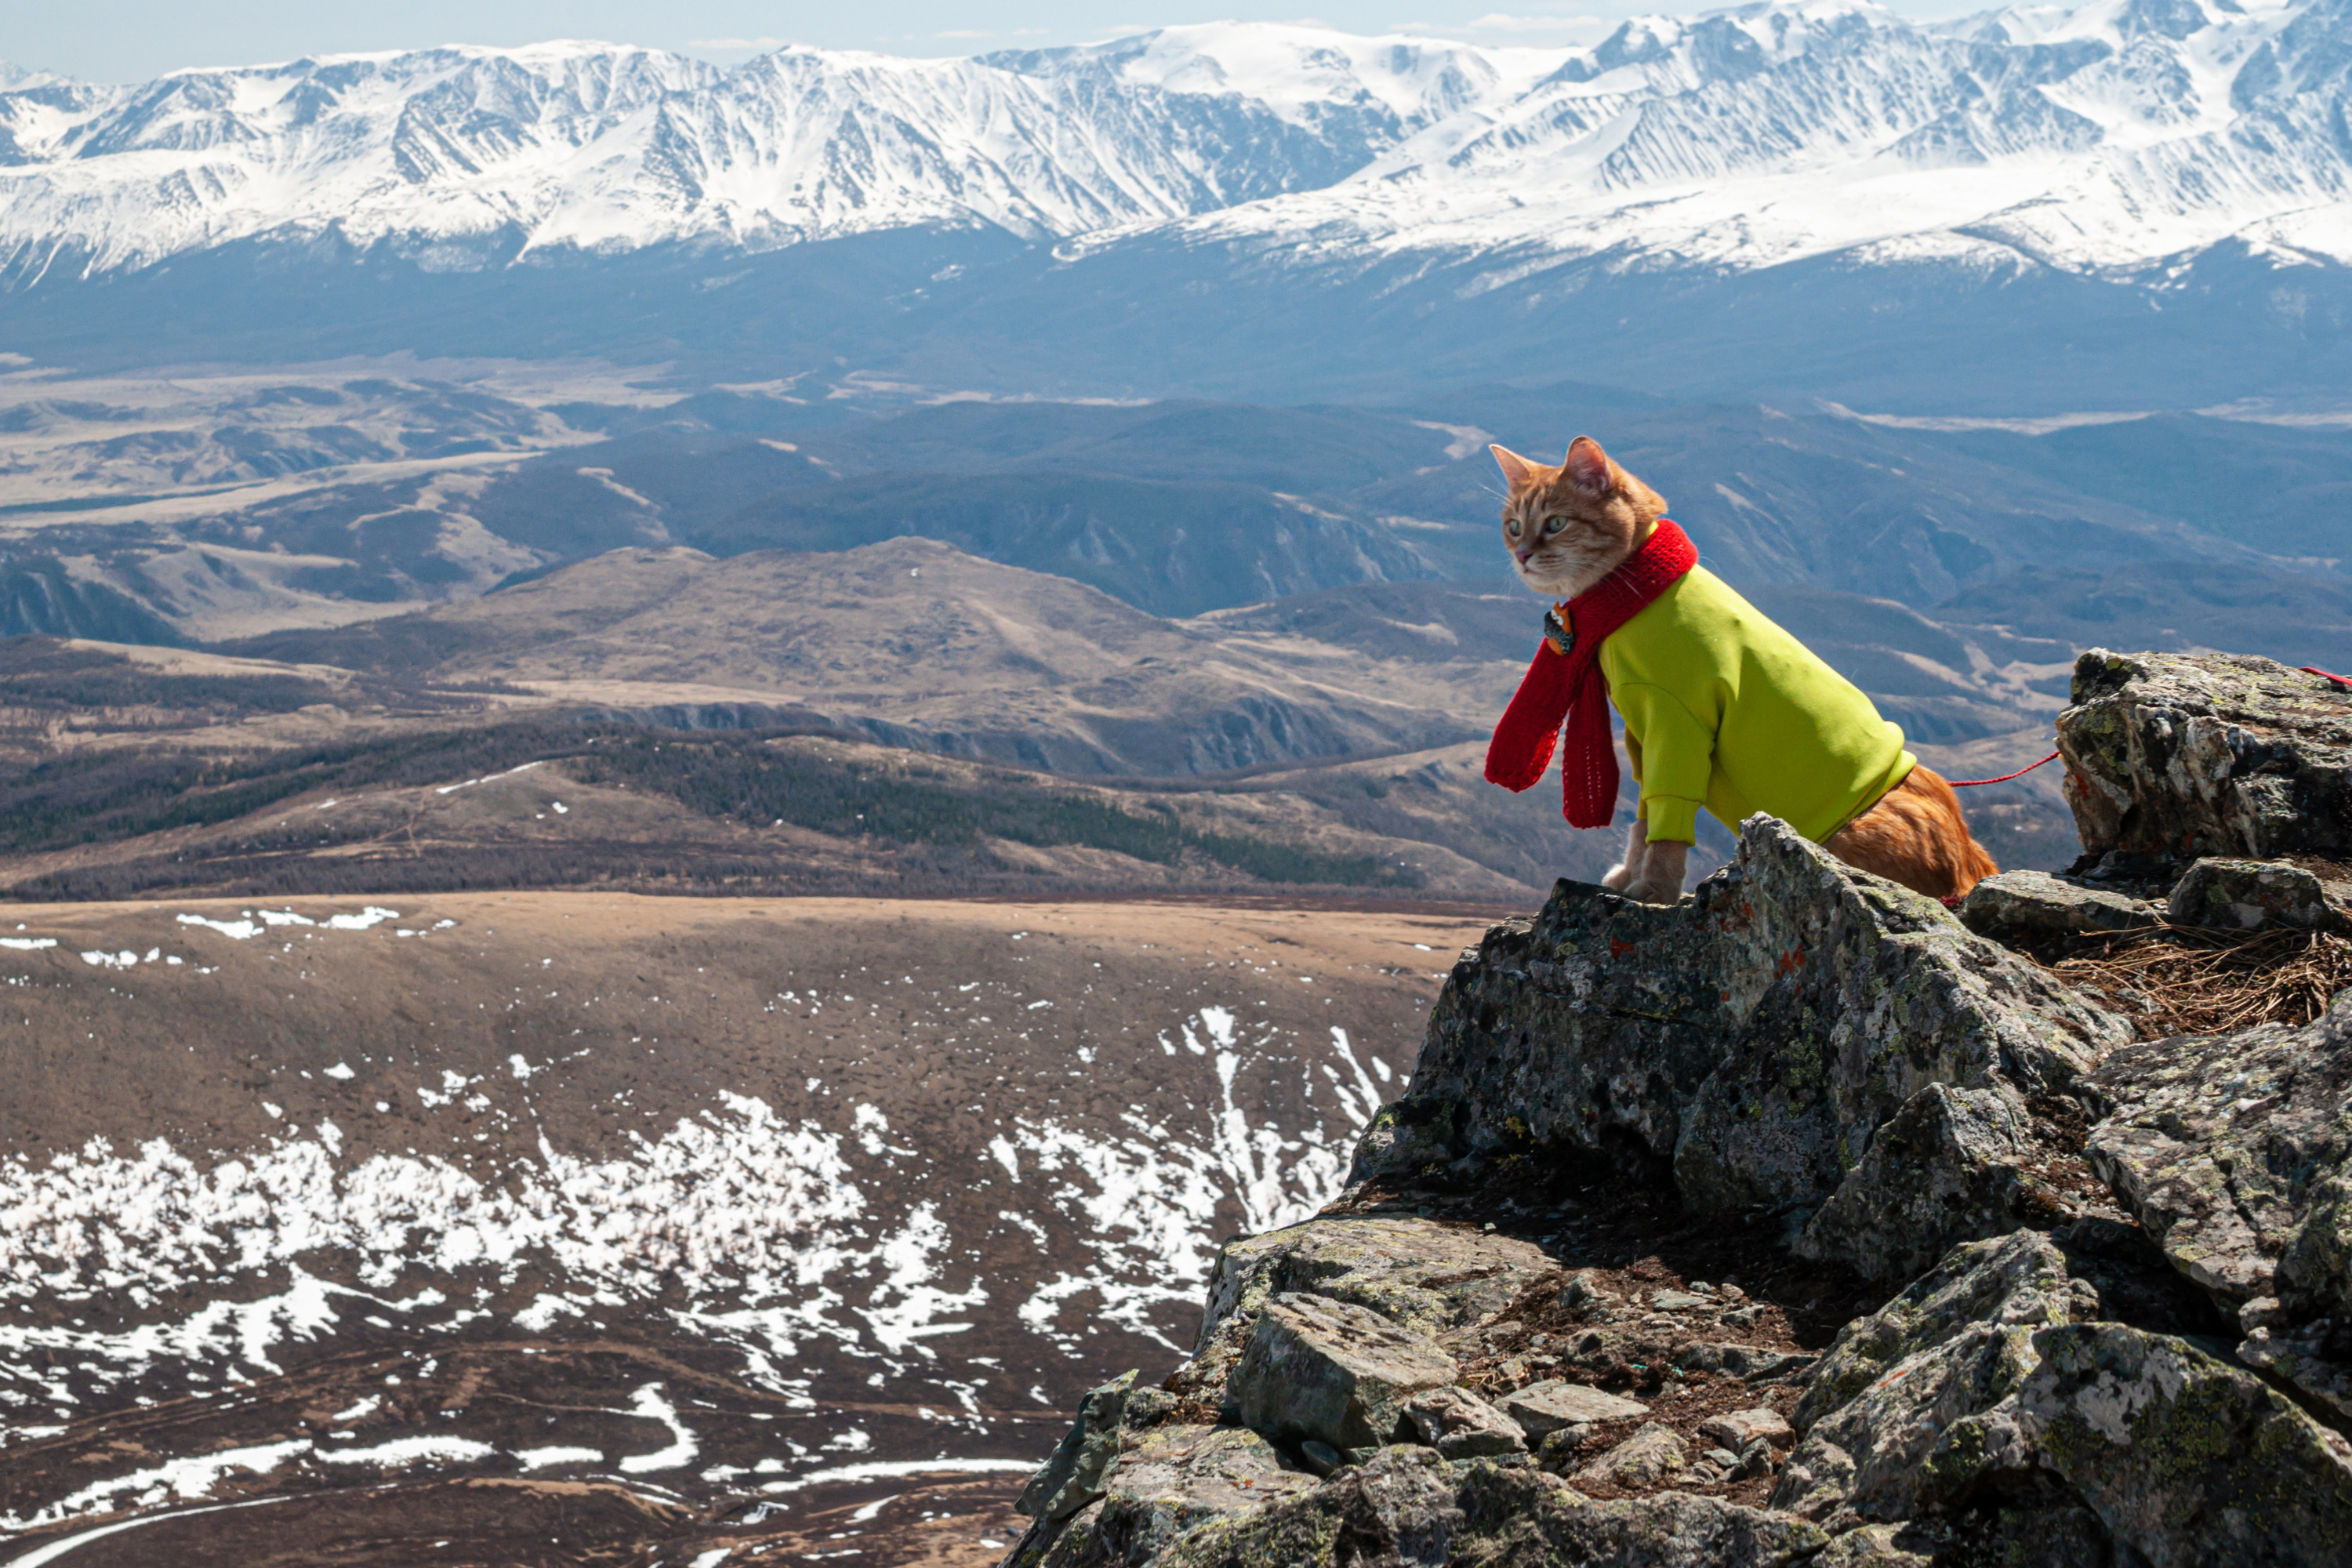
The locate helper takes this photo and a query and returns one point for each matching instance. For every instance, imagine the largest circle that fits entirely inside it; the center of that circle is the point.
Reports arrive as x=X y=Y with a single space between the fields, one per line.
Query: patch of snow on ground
x=410 y=1451
x=539 y=1458
x=1146 y=1204
x=183 y=1479
x=649 y=1404
x=747 y=1204
x=236 y=931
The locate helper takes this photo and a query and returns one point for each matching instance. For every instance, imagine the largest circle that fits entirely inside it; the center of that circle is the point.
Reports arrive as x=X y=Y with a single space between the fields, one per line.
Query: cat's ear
x=1517 y=471
x=1587 y=464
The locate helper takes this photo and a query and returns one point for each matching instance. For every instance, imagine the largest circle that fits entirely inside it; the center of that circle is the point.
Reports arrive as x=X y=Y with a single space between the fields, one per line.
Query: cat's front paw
x=1652 y=890
x=1615 y=877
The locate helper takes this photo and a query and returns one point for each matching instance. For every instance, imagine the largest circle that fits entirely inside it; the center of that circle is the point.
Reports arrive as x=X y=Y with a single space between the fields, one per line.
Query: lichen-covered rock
x=1170 y=1480
x=1974 y=1382
x=1407 y=1506
x=1334 y=1372
x=2248 y=895
x=1651 y=1454
x=2231 y=1152
x=1873 y=1546
x=1881 y=1454
x=1752 y=1039
x=2230 y=1149
x=1543 y=1408
x=1420 y=1274
x=1735 y=1430
x=2184 y=1458
x=1955 y=1342
x=1950 y=1163
x=2026 y=909
x=2315 y=1357
x=1461 y=1425
x=2173 y=756
x=2019 y=1279
x=1074 y=1474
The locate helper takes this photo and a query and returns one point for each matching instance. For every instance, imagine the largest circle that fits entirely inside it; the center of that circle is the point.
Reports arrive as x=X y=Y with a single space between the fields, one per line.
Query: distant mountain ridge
x=2116 y=135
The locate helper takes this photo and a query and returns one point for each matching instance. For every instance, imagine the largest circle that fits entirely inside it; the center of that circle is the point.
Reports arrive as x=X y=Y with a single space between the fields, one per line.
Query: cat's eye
x=1554 y=524
x=1512 y=528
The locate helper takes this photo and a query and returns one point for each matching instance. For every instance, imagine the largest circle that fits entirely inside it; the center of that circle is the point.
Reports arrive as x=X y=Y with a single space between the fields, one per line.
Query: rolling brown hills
x=916 y=642
x=898 y=719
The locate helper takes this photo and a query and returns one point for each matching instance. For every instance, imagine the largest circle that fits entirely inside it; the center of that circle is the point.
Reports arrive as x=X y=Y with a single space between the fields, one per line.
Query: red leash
x=2345 y=682
x=1971 y=784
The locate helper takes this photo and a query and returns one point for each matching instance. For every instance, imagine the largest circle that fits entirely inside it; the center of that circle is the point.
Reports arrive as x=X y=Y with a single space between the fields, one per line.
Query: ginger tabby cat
x=1723 y=709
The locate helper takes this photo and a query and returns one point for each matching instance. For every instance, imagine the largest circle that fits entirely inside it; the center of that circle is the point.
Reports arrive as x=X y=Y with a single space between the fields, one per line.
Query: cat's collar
x=1559 y=633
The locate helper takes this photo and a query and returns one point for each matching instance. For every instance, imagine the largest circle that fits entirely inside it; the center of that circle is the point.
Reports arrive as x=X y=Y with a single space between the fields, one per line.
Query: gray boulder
x=2017 y=1280
x=2248 y=895
x=2173 y=756
x=1170 y=1482
x=1954 y=1344
x=1544 y=1408
x=1407 y=1506
x=1751 y=1040
x=1461 y=1425
x=2230 y=1151
x=1949 y=1162
x=1735 y=1430
x=1077 y=1472
x=1333 y=1372
x=1974 y=1382
x=1643 y=1459
x=1420 y=1275
x=2029 y=909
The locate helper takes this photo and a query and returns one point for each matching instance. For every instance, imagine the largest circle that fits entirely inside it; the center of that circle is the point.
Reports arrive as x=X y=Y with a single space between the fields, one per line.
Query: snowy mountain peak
x=2107 y=135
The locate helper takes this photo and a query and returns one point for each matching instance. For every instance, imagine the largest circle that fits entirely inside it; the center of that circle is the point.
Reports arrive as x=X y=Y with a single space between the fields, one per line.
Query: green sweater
x=1724 y=710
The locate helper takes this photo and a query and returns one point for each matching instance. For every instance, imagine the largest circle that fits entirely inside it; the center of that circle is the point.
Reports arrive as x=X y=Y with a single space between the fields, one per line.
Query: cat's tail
x=1918 y=836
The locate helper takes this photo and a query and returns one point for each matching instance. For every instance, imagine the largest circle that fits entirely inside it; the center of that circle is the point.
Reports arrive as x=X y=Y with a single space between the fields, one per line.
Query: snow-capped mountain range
x=2119 y=135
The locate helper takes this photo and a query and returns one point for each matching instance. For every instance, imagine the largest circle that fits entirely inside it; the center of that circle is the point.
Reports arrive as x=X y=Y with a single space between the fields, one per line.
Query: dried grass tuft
x=2190 y=980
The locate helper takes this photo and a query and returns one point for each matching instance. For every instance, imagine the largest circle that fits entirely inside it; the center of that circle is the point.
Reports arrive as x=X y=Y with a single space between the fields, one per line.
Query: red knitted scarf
x=1567 y=684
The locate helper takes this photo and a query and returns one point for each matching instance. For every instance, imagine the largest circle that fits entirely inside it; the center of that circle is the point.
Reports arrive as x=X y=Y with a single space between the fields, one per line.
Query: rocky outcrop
x=1757 y=1042
x=2030 y=909
x=1081 y=1466
x=2231 y=1152
x=2174 y=756
x=1408 y=1506
x=1977 y=1381
x=2248 y=895
x=2130 y=1345
x=1424 y=1277
x=1334 y=1372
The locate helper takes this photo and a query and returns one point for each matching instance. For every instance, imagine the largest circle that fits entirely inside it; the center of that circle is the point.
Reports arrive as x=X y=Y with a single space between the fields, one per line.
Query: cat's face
x=1568 y=527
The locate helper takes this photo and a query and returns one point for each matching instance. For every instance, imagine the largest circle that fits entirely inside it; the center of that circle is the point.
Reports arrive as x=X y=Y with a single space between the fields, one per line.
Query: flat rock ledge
x=1796 y=1035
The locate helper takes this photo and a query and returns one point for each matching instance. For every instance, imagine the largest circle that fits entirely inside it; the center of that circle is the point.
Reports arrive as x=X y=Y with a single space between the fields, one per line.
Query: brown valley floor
x=587 y=1228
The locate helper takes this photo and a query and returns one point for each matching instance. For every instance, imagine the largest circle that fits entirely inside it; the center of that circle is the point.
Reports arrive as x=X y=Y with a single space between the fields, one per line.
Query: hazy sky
x=130 y=40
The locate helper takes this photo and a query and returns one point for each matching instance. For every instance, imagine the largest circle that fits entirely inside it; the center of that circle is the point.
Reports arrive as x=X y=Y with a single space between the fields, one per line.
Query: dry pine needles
x=2192 y=980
